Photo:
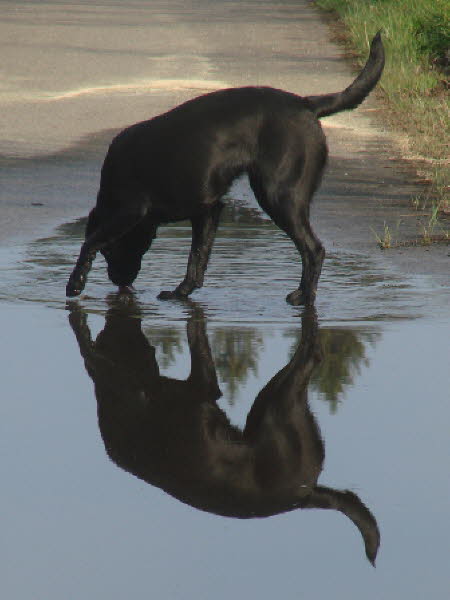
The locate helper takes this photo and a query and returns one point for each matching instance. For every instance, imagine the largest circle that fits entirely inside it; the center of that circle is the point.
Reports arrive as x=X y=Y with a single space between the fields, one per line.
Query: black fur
x=178 y=166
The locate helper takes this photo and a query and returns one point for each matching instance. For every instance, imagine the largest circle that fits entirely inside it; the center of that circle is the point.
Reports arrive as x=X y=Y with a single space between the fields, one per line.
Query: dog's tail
x=351 y=97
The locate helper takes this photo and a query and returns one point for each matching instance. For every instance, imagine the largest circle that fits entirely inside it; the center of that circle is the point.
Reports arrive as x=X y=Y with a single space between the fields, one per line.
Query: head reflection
x=172 y=434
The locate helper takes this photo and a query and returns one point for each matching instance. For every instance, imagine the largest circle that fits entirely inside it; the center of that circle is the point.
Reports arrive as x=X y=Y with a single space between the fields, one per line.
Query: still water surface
x=203 y=450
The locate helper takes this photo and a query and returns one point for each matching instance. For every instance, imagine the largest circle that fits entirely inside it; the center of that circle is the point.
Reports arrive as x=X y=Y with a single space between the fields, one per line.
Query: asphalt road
x=74 y=74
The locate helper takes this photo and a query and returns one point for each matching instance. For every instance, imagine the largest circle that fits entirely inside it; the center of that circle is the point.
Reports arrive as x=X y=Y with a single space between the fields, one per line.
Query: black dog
x=178 y=166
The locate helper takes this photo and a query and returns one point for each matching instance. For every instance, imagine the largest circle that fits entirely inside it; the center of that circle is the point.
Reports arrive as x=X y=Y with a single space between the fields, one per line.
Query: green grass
x=416 y=35
x=384 y=240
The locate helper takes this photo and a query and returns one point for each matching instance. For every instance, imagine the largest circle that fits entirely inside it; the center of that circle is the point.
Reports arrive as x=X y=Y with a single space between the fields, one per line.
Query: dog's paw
x=172 y=295
x=75 y=285
x=166 y=295
x=73 y=290
x=297 y=298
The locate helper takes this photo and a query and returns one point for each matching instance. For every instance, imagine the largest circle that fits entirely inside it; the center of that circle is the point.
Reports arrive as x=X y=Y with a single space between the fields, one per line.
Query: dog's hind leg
x=105 y=233
x=296 y=224
x=313 y=254
x=204 y=227
x=288 y=207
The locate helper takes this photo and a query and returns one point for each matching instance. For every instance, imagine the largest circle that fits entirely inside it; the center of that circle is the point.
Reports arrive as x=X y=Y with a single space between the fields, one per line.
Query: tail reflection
x=173 y=435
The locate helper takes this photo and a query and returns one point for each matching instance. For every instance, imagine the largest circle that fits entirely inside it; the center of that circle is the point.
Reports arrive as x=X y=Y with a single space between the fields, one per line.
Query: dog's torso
x=189 y=156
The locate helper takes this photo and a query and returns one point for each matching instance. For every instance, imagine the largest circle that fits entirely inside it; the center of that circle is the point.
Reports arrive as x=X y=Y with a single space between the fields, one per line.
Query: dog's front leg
x=105 y=234
x=204 y=227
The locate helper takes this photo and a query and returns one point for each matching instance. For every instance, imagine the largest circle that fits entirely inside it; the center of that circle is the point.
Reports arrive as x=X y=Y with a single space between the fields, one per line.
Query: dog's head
x=124 y=256
x=123 y=265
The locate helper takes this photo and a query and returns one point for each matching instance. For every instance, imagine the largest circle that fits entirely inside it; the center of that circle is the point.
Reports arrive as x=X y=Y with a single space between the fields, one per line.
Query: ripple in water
x=252 y=268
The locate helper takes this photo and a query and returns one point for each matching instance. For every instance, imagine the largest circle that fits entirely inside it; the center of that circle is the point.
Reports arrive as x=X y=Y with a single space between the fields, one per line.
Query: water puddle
x=189 y=450
x=252 y=268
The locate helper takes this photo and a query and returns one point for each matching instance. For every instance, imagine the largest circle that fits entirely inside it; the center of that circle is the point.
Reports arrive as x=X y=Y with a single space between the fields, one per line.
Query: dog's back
x=198 y=148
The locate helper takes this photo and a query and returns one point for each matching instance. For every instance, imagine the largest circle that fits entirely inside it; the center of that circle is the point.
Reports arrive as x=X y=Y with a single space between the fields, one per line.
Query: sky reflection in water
x=82 y=527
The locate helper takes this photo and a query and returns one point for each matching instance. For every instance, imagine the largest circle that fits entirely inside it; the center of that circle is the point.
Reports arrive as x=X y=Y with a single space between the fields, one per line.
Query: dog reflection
x=172 y=434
